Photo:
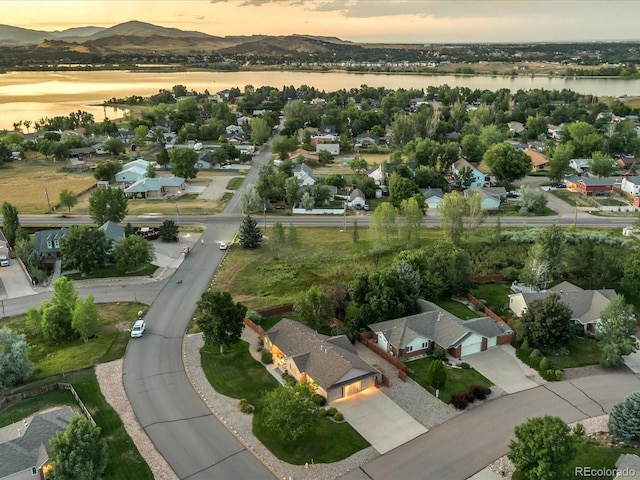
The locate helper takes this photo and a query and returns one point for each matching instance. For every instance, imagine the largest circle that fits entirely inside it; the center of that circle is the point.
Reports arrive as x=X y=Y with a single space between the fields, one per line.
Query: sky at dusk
x=390 y=21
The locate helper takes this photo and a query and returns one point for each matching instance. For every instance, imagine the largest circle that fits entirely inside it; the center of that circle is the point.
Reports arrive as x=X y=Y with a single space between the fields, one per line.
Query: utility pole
x=345 y=217
x=48 y=202
x=178 y=214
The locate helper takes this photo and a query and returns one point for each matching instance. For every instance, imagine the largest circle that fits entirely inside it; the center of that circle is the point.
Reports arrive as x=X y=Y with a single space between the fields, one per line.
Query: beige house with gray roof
x=586 y=305
x=417 y=335
x=330 y=362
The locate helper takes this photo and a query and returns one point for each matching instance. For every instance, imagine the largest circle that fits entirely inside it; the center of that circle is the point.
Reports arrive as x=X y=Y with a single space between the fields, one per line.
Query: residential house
x=112 y=231
x=304 y=156
x=432 y=197
x=417 y=335
x=377 y=173
x=304 y=174
x=631 y=185
x=331 y=363
x=81 y=152
x=539 y=161
x=515 y=128
x=553 y=132
x=333 y=190
x=571 y=181
x=332 y=148
x=25 y=450
x=586 y=305
x=234 y=139
x=627 y=161
x=491 y=197
x=46 y=243
x=231 y=129
x=155 y=187
x=479 y=178
x=366 y=140
x=243 y=119
x=325 y=134
x=222 y=95
x=133 y=171
x=580 y=165
x=356 y=199
x=595 y=186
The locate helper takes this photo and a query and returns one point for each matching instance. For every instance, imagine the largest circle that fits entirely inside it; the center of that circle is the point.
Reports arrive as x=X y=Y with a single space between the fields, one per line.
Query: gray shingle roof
x=154 y=184
x=327 y=360
x=586 y=305
x=112 y=230
x=42 y=238
x=31 y=449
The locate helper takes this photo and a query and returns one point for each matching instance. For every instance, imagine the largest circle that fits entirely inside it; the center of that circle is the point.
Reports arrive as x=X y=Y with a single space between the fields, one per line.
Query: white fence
x=319 y=211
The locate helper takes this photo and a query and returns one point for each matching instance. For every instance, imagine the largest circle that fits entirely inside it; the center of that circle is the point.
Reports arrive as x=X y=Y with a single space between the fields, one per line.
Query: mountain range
x=140 y=37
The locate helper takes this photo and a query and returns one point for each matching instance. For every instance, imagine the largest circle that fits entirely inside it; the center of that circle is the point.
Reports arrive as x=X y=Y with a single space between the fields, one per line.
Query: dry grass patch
x=24 y=186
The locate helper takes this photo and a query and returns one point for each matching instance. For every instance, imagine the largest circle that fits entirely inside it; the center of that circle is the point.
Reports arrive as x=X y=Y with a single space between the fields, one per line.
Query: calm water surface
x=33 y=95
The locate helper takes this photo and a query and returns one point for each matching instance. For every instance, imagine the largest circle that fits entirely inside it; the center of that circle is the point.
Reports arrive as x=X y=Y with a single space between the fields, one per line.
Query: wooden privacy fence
x=365 y=338
x=6 y=401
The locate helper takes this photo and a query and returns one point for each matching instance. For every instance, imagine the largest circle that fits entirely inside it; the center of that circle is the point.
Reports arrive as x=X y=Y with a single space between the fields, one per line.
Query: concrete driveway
x=502 y=369
x=379 y=420
x=14 y=282
x=633 y=360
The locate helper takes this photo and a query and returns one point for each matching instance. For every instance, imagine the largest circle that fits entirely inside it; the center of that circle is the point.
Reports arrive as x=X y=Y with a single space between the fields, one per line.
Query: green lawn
x=235 y=183
x=582 y=352
x=237 y=375
x=494 y=295
x=458 y=379
x=114 y=271
x=458 y=309
x=25 y=408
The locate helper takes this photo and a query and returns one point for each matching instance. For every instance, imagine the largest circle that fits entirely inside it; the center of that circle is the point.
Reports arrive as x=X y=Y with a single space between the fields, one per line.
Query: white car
x=224 y=246
x=138 y=329
x=4 y=261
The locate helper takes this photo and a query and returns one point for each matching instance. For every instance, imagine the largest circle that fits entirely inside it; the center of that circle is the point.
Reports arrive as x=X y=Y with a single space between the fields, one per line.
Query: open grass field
x=338 y=168
x=237 y=375
x=68 y=356
x=458 y=379
x=582 y=352
x=26 y=185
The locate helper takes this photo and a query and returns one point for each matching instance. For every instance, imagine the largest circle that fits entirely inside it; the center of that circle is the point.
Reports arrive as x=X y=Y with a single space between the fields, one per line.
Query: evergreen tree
x=10 y=222
x=624 y=420
x=437 y=375
x=250 y=235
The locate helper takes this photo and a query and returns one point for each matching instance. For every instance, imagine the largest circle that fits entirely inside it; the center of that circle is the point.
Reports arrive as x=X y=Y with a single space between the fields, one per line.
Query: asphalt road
x=469 y=442
x=183 y=429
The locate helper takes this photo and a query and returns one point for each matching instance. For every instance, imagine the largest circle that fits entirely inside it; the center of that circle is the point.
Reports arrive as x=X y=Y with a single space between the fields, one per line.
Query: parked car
x=224 y=246
x=366 y=206
x=559 y=185
x=512 y=195
x=4 y=261
x=138 y=329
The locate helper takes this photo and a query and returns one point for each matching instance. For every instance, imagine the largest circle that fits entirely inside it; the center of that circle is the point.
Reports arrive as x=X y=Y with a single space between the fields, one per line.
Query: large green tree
x=452 y=209
x=249 y=235
x=616 y=332
x=547 y=323
x=107 y=204
x=86 y=320
x=624 y=420
x=559 y=162
x=183 y=162
x=383 y=229
x=314 y=307
x=80 y=452
x=10 y=222
x=506 y=162
x=84 y=248
x=133 y=253
x=289 y=411
x=412 y=216
x=601 y=165
x=260 y=131
x=68 y=198
x=250 y=201
x=57 y=313
x=106 y=171
x=400 y=188
x=168 y=230
x=543 y=449
x=220 y=319
x=15 y=365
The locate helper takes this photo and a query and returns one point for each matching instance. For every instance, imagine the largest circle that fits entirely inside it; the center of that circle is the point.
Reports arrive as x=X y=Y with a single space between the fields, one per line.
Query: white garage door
x=492 y=342
x=468 y=349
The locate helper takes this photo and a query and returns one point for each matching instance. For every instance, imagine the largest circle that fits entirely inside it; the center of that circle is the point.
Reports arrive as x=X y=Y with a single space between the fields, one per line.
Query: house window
x=424 y=344
x=409 y=348
x=56 y=243
x=49 y=244
x=34 y=471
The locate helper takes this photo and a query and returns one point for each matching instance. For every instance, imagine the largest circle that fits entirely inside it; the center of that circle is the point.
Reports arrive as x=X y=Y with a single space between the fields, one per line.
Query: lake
x=33 y=95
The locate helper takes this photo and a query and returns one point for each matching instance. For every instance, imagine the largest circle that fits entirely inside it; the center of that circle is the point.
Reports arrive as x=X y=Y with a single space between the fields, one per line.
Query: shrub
x=479 y=391
x=535 y=355
x=579 y=431
x=259 y=348
x=470 y=397
x=288 y=379
x=459 y=401
x=464 y=365
x=324 y=412
x=338 y=417
x=525 y=344
x=318 y=399
x=480 y=307
x=440 y=353
x=544 y=364
x=331 y=411
x=254 y=316
x=244 y=406
x=267 y=357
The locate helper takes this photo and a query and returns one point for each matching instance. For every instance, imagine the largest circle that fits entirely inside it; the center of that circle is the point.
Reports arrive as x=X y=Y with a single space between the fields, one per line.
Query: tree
x=624 y=420
x=314 y=307
x=291 y=190
x=151 y=171
x=79 y=452
x=162 y=157
x=168 y=231
x=220 y=319
x=472 y=148
x=559 y=162
x=283 y=146
x=250 y=200
x=412 y=217
x=260 y=131
x=106 y=171
x=84 y=248
x=437 y=374
x=552 y=242
x=133 y=253
x=475 y=212
x=547 y=323
x=293 y=239
x=68 y=198
x=506 y=162
x=543 y=449
x=601 y=165
x=537 y=269
x=58 y=312
x=85 y=321
x=307 y=201
x=358 y=165
x=532 y=200
x=277 y=238
x=250 y=235
x=289 y=411
x=383 y=228
x=15 y=366
x=400 y=188
x=452 y=209
x=631 y=278
x=107 y=204
x=10 y=222
x=33 y=321
x=616 y=332
x=183 y=162
x=115 y=146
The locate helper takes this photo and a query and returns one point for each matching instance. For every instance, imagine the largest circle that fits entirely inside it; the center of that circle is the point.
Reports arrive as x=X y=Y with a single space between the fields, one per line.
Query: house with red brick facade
x=595 y=186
